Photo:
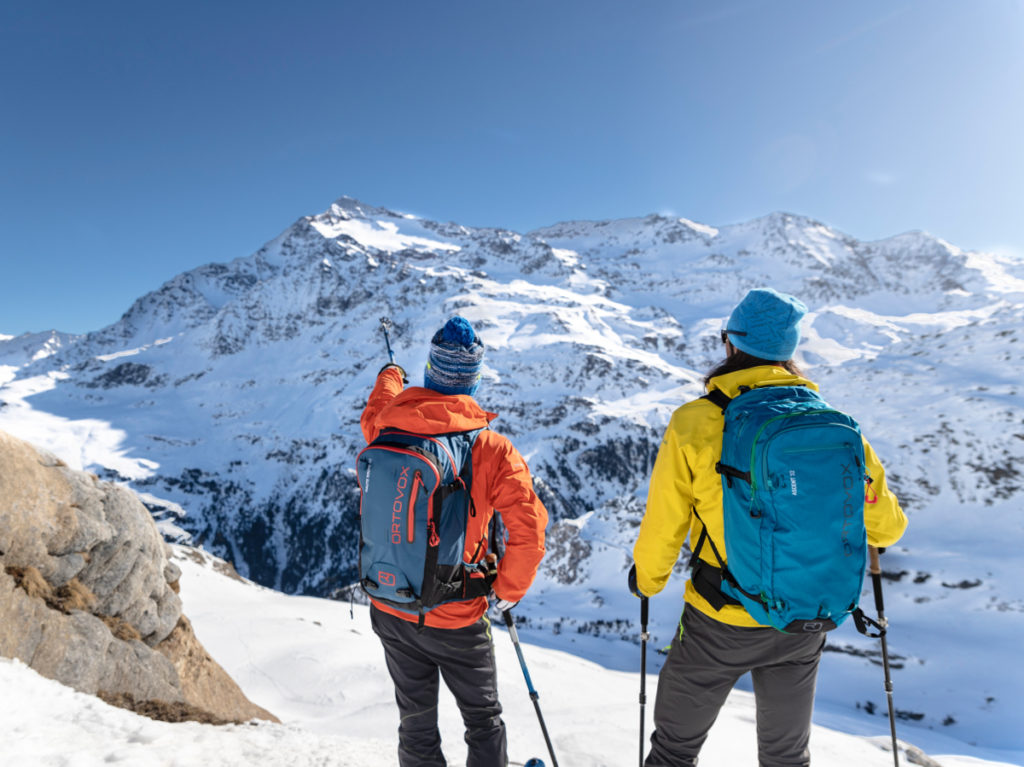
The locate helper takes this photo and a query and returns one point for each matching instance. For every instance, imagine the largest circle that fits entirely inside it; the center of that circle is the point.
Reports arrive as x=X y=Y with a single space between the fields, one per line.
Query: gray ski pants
x=701 y=668
x=465 y=660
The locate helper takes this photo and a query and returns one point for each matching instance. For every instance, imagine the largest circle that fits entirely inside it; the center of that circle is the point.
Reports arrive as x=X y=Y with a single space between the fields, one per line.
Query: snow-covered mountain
x=230 y=396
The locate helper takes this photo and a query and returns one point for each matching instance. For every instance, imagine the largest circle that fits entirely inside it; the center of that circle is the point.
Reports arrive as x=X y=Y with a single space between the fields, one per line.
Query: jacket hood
x=763 y=375
x=427 y=412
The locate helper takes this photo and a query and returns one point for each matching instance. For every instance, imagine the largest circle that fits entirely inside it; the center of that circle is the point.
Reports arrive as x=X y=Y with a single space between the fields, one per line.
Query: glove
x=503 y=605
x=633 y=588
x=400 y=369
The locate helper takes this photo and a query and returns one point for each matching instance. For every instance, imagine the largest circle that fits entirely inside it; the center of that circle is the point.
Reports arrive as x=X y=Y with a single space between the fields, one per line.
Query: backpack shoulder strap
x=704 y=536
x=705 y=575
x=723 y=400
x=718 y=397
x=706 y=578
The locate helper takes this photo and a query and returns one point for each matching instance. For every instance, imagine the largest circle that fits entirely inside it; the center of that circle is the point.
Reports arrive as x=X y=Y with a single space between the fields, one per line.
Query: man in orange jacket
x=456 y=638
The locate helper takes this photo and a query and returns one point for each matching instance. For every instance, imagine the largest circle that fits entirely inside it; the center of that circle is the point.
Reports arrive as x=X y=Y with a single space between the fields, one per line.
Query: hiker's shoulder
x=493 y=442
x=732 y=384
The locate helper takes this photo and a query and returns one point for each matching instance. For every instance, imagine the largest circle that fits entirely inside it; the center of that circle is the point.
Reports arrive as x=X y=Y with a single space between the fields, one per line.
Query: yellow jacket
x=684 y=477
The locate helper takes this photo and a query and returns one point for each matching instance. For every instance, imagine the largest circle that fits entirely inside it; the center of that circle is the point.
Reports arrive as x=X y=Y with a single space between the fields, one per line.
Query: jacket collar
x=763 y=375
x=425 y=411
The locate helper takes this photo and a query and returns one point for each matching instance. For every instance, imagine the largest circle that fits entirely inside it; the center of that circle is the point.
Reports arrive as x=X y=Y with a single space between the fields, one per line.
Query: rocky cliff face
x=88 y=595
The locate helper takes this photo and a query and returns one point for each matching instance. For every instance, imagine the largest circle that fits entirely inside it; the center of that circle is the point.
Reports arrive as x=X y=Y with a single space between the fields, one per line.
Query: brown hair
x=741 y=361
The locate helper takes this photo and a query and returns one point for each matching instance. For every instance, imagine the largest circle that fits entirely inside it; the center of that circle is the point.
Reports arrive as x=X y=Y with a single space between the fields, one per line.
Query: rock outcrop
x=88 y=594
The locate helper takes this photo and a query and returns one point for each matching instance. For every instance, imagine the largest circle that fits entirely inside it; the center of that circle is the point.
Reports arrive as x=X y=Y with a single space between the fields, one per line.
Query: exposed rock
x=78 y=649
x=568 y=552
x=205 y=684
x=917 y=756
x=88 y=596
x=158 y=709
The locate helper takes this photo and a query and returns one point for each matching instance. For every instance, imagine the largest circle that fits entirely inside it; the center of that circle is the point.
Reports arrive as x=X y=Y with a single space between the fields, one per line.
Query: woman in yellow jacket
x=714 y=647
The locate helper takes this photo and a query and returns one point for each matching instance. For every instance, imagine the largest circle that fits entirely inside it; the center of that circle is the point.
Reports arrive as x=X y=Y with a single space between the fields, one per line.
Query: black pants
x=701 y=668
x=465 y=659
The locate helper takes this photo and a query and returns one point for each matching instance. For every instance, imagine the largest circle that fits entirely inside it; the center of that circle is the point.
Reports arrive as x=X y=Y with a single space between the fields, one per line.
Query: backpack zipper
x=817 y=448
x=417 y=483
x=769 y=422
x=447 y=452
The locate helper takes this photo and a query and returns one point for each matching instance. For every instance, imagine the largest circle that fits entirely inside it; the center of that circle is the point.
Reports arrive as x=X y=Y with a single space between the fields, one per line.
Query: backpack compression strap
x=707 y=578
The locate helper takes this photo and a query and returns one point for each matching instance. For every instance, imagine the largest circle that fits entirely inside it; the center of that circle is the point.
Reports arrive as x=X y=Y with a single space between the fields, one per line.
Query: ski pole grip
x=385 y=323
x=644 y=604
x=875 y=568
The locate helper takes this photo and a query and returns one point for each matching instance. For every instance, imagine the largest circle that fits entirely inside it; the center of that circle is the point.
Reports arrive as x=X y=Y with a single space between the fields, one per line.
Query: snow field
x=317 y=666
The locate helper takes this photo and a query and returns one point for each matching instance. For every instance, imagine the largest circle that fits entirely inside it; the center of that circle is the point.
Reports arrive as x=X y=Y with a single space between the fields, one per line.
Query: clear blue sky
x=142 y=139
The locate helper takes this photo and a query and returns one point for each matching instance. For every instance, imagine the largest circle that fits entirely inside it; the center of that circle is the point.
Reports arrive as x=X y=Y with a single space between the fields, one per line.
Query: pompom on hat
x=455 y=359
x=766 y=324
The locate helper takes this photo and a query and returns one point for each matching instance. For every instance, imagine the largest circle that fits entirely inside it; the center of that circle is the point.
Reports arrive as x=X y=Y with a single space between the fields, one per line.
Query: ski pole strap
x=863 y=624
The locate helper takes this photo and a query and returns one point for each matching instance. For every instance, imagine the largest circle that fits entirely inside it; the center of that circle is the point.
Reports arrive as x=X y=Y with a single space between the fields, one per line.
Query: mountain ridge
x=231 y=394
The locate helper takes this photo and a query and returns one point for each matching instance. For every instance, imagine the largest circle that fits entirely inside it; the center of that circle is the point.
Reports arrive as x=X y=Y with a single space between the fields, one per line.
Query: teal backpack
x=793 y=484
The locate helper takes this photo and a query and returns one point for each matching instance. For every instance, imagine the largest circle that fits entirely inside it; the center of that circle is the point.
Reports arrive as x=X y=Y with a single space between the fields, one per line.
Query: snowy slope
x=231 y=396
x=321 y=670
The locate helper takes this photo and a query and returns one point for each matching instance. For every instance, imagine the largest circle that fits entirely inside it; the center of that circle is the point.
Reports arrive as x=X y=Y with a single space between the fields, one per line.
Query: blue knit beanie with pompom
x=455 y=359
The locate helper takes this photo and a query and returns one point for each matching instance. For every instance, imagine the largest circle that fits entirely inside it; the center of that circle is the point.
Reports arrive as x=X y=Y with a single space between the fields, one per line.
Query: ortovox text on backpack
x=414 y=506
x=793 y=482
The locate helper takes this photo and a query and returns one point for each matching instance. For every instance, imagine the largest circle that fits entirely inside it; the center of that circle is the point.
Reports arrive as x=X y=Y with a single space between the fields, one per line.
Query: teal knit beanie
x=766 y=324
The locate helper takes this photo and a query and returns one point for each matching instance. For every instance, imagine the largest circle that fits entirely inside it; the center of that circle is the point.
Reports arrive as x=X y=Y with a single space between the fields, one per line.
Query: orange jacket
x=501 y=482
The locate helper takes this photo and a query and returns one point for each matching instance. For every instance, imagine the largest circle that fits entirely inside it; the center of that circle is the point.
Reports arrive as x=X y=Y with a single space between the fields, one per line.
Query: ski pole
x=876 y=580
x=534 y=695
x=385 y=323
x=644 y=636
